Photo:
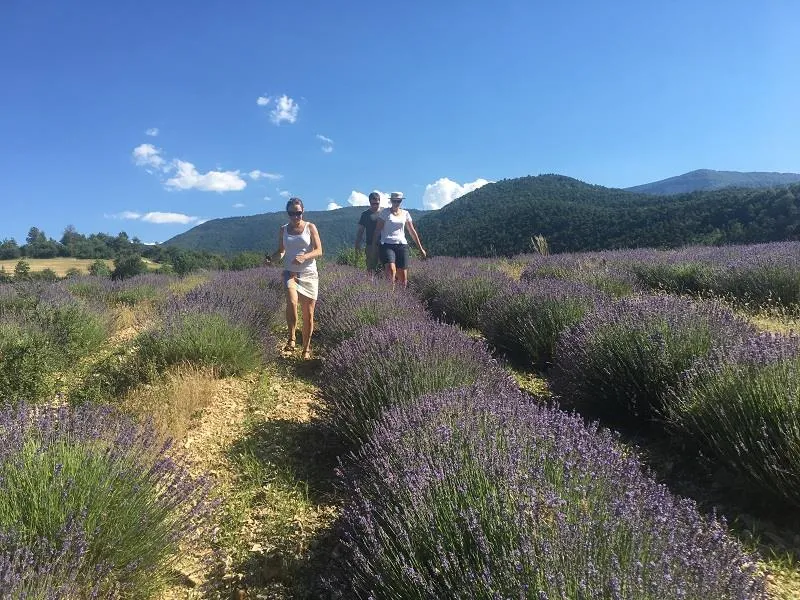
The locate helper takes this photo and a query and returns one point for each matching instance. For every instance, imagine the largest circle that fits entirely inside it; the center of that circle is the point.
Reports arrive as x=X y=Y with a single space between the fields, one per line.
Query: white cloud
x=327 y=143
x=285 y=109
x=333 y=206
x=357 y=198
x=262 y=100
x=152 y=132
x=155 y=217
x=443 y=191
x=255 y=175
x=187 y=178
x=125 y=214
x=147 y=155
x=267 y=198
x=161 y=218
x=238 y=205
x=284 y=194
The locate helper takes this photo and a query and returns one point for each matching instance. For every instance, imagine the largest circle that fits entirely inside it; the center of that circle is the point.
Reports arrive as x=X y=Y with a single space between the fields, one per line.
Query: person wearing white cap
x=391 y=233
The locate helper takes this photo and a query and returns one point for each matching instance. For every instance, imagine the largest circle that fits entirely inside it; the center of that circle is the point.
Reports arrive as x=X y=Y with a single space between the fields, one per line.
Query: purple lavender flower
x=393 y=363
x=93 y=504
x=620 y=360
x=521 y=501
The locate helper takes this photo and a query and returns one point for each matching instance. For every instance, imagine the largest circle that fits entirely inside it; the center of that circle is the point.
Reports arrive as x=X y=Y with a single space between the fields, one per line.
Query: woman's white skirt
x=306 y=283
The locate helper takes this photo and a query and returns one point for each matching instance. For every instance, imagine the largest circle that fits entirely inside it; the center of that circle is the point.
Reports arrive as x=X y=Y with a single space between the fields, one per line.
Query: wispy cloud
x=152 y=132
x=187 y=177
x=285 y=111
x=147 y=155
x=262 y=100
x=184 y=175
x=238 y=205
x=162 y=218
x=159 y=218
x=327 y=143
x=284 y=194
x=255 y=175
x=443 y=191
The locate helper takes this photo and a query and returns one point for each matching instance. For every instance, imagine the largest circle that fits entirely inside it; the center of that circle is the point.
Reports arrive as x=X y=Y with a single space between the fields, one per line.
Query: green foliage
x=27 y=360
x=747 y=418
x=127 y=266
x=110 y=497
x=99 y=268
x=114 y=375
x=72 y=272
x=22 y=270
x=677 y=278
x=246 y=260
x=9 y=249
x=349 y=256
x=575 y=216
x=206 y=339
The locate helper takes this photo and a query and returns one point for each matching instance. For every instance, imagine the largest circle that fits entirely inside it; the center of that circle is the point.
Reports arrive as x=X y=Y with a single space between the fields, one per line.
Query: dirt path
x=259 y=439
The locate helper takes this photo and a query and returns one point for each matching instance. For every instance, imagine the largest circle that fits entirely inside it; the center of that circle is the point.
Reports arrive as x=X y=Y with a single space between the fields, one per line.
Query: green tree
x=22 y=270
x=9 y=249
x=99 y=268
x=127 y=266
x=247 y=260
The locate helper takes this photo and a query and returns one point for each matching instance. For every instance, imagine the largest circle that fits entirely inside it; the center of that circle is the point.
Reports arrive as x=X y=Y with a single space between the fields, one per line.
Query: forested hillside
x=501 y=218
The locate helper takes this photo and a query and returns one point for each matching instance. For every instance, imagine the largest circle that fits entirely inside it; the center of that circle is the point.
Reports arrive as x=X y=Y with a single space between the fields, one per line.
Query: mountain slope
x=337 y=230
x=707 y=179
x=501 y=218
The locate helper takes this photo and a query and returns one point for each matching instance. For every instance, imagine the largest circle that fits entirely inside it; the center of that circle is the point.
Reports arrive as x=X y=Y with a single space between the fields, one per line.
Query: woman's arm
x=412 y=230
x=316 y=246
x=276 y=256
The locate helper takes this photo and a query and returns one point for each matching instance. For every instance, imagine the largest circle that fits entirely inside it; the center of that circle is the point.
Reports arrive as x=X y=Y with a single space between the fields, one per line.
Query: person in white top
x=299 y=244
x=391 y=232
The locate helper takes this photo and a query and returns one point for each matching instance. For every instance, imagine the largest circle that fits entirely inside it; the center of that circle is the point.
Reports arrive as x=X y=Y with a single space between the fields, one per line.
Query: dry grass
x=176 y=401
x=512 y=268
x=61 y=265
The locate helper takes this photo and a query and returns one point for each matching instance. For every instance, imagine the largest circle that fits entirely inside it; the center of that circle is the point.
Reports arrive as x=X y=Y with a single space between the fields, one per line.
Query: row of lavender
x=94 y=502
x=688 y=366
x=759 y=275
x=460 y=485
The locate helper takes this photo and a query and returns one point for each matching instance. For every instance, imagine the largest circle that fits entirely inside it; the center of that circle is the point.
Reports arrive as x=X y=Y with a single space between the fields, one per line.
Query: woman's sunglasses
x=295 y=213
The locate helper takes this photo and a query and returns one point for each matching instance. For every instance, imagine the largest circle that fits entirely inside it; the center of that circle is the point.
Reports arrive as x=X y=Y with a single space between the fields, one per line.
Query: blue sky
x=151 y=116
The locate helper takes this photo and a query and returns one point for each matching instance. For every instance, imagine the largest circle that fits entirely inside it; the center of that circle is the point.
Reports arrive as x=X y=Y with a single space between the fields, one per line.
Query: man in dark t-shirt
x=366 y=224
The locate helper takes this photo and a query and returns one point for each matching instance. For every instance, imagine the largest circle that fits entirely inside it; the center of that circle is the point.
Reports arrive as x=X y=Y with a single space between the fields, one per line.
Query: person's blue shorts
x=395 y=253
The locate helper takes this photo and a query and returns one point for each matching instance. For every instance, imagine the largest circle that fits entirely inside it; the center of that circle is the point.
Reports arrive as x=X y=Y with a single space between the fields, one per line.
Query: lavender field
x=154 y=444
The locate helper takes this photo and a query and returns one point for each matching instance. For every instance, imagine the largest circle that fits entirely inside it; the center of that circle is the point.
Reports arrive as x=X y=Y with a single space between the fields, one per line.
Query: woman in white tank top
x=299 y=245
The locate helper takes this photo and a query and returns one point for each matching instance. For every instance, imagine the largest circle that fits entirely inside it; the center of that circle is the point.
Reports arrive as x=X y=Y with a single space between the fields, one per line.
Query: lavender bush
x=470 y=493
x=43 y=330
x=393 y=364
x=618 y=363
x=601 y=270
x=353 y=301
x=524 y=322
x=743 y=409
x=91 y=500
x=456 y=290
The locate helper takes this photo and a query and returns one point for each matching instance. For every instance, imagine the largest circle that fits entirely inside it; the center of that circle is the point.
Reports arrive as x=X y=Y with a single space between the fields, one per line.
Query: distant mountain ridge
x=571 y=214
x=708 y=179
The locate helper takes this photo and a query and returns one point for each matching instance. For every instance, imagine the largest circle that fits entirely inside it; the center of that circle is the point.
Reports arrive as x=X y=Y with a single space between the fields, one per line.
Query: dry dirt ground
x=259 y=440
